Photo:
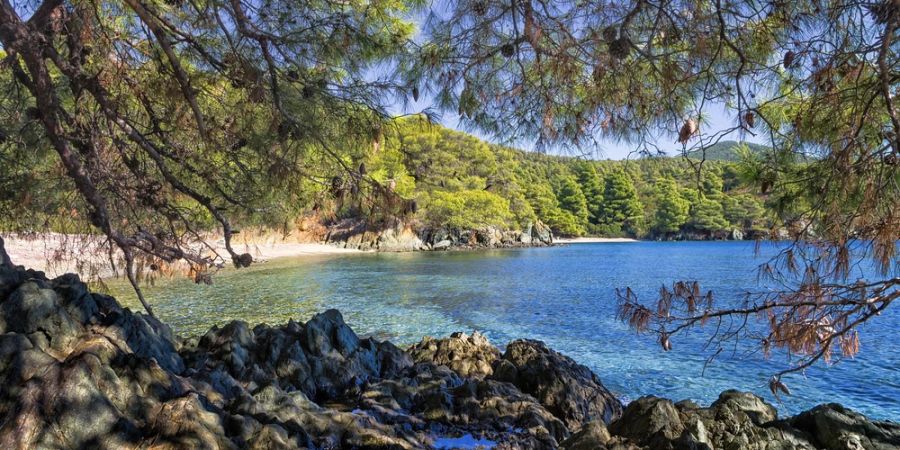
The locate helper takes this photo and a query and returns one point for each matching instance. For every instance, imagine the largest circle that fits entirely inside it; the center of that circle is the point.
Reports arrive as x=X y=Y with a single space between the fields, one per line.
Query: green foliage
x=621 y=205
x=727 y=151
x=708 y=215
x=468 y=209
x=672 y=210
x=592 y=185
x=449 y=172
x=572 y=200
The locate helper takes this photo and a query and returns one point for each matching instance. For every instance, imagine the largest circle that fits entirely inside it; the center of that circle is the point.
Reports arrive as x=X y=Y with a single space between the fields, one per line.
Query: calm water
x=562 y=295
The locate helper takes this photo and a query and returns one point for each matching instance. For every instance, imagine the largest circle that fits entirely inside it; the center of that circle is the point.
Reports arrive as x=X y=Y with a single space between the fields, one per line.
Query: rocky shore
x=80 y=371
x=404 y=237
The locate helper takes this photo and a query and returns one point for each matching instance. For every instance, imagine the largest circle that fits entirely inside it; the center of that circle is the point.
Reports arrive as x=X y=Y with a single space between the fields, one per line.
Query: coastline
x=85 y=366
x=57 y=254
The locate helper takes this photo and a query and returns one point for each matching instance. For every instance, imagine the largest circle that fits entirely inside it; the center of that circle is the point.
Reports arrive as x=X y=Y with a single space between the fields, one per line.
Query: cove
x=563 y=296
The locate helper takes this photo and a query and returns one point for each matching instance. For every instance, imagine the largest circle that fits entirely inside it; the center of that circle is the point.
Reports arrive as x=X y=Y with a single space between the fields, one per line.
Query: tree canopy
x=815 y=79
x=147 y=123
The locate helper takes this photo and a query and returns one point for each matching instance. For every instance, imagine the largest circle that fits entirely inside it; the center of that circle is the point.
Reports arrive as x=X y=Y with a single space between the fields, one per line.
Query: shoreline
x=94 y=365
x=57 y=254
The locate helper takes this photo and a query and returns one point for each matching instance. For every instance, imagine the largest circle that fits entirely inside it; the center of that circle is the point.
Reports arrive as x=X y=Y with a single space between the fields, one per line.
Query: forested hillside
x=442 y=177
x=726 y=151
x=422 y=173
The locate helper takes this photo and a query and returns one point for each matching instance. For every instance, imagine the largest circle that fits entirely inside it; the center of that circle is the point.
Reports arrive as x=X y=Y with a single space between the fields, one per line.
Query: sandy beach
x=57 y=254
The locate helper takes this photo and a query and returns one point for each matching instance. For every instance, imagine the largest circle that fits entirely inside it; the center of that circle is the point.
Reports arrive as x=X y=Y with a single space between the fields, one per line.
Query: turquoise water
x=561 y=295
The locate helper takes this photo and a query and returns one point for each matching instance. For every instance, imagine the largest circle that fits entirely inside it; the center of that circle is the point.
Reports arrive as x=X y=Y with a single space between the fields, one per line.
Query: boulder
x=649 y=421
x=525 y=236
x=834 y=427
x=399 y=239
x=541 y=233
x=322 y=358
x=442 y=245
x=758 y=410
x=569 y=390
x=489 y=236
x=468 y=356
x=591 y=436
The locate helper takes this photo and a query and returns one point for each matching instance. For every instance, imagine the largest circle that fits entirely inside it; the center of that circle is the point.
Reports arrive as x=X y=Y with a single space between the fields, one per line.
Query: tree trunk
x=4 y=257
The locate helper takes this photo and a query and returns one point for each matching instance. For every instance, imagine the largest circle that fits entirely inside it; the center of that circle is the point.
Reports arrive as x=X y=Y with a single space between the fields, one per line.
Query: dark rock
x=468 y=356
x=649 y=421
x=567 y=389
x=591 y=436
x=754 y=407
x=834 y=427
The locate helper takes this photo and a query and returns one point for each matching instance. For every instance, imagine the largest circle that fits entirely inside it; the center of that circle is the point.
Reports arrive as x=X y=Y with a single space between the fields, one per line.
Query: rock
x=695 y=436
x=427 y=393
x=35 y=310
x=442 y=245
x=399 y=239
x=525 y=235
x=567 y=389
x=649 y=421
x=468 y=356
x=489 y=237
x=736 y=235
x=591 y=436
x=754 y=407
x=541 y=233
x=834 y=427
x=323 y=358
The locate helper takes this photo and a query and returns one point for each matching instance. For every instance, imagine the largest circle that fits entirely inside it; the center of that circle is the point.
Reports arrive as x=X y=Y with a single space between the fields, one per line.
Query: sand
x=57 y=254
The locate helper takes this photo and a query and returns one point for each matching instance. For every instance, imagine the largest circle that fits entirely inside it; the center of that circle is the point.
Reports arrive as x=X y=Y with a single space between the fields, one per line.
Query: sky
x=717 y=118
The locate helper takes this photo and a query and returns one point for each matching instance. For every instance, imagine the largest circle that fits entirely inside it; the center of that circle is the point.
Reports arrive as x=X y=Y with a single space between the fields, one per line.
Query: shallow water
x=561 y=295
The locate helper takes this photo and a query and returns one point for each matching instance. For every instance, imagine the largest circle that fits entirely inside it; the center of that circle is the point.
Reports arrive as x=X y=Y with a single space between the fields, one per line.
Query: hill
x=725 y=151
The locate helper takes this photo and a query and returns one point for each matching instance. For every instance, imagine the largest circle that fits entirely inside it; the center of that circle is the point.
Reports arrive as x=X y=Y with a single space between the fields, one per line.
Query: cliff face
x=80 y=371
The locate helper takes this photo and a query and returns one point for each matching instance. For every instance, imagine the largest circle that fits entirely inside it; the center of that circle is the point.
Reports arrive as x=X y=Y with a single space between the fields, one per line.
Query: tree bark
x=4 y=257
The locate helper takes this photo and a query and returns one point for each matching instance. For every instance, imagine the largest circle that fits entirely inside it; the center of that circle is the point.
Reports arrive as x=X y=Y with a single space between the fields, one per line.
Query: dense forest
x=425 y=174
x=456 y=180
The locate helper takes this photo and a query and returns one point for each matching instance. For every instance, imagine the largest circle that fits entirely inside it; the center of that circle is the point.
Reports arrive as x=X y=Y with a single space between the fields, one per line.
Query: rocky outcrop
x=403 y=237
x=835 y=427
x=737 y=420
x=468 y=356
x=80 y=371
x=568 y=389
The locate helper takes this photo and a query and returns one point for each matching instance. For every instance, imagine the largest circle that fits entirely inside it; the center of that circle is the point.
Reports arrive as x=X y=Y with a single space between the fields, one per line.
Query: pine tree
x=708 y=215
x=672 y=210
x=572 y=199
x=621 y=205
x=592 y=186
